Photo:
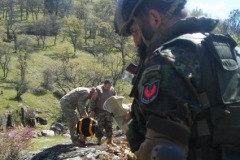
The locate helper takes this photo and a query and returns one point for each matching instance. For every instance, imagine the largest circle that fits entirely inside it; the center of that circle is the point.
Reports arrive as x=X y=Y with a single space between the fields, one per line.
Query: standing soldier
x=103 y=117
x=74 y=100
x=137 y=125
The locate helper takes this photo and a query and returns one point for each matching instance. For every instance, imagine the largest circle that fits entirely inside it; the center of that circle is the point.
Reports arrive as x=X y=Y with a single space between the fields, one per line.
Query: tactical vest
x=216 y=129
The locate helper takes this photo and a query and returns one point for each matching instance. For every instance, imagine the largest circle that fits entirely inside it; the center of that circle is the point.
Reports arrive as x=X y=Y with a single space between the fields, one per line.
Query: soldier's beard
x=147 y=33
x=142 y=50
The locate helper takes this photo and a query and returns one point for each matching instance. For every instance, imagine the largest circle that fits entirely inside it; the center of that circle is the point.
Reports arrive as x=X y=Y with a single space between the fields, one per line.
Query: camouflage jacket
x=77 y=97
x=169 y=72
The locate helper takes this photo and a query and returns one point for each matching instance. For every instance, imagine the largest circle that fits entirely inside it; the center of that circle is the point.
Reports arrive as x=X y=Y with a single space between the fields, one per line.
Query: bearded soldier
x=187 y=87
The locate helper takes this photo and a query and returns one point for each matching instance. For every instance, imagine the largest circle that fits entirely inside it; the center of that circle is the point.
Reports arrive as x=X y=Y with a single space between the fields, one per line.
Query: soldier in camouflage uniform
x=76 y=100
x=137 y=130
x=103 y=117
x=163 y=89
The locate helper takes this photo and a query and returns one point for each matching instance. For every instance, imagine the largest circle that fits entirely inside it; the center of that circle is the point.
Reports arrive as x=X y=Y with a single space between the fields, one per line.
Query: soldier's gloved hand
x=153 y=139
x=167 y=152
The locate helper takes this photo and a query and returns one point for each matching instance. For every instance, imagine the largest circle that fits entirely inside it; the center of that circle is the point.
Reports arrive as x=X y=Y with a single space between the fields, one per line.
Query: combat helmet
x=125 y=10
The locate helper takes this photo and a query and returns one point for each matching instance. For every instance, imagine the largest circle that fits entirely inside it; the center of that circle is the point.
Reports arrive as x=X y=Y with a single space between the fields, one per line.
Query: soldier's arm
x=136 y=128
x=82 y=101
x=92 y=104
x=167 y=100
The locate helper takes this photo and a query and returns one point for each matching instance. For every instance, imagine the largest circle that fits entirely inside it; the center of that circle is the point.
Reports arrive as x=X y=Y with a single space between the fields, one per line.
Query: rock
x=28 y=116
x=3 y=122
x=39 y=134
x=90 y=152
x=47 y=133
x=58 y=128
x=41 y=120
x=66 y=135
x=35 y=134
x=70 y=152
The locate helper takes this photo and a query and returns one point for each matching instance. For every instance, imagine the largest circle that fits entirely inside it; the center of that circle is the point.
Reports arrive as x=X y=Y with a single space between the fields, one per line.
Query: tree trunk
x=55 y=40
x=21 y=11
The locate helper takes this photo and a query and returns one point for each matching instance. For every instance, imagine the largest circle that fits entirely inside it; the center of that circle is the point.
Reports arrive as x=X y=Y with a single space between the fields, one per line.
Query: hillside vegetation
x=48 y=47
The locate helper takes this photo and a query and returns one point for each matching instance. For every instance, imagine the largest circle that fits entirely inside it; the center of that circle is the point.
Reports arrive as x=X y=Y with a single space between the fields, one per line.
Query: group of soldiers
x=186 y=88
x=78 y=99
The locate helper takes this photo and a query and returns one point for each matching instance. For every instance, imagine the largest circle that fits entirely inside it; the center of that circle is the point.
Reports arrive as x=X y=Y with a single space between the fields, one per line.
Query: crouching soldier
x=76 y=100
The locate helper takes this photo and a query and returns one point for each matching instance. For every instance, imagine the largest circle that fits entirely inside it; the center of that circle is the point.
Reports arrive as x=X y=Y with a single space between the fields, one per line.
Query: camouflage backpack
x=216 y=128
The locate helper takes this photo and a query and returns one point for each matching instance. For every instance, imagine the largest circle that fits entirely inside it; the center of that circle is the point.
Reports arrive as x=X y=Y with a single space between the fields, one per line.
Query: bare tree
x=114 y=67
x=233 y=22
x=222 y=28
x=22 y=5
x=54 y=27
x=3 y=7
x=23 y=54
x=35 y=6
x=73 y=28
x=11 y=19
x=60 y=8
x=69 y=76
x=5 y=57
x=48 y=79
x=123 y=45
x=104 y=8
x=198 y=12
x=45 y=27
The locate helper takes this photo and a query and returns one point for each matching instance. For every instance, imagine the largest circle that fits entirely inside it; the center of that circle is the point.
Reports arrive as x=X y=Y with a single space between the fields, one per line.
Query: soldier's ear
x=154 y=19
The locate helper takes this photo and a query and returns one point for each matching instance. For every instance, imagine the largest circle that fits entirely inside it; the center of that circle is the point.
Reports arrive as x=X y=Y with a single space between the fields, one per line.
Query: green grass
x=45 y=142
x=6 y=101
x=40 y=59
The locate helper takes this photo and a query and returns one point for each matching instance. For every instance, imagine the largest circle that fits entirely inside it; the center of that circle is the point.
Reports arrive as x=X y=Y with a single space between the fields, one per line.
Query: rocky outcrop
x=90 y=152
x=23 y=117
x=69 y=152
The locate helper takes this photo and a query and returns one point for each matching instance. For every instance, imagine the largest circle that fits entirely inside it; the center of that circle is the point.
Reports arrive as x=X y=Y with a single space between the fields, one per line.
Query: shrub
x=15 y=141
x=39 y=91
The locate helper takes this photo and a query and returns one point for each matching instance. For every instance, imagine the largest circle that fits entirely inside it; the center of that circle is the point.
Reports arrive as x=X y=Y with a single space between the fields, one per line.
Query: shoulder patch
x=150 y=92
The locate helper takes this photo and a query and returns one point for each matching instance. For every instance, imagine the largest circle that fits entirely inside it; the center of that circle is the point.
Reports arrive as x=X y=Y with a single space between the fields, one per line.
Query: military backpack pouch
x=225 y=117
x=230 y=152
x=226 y=125
x=226 y=65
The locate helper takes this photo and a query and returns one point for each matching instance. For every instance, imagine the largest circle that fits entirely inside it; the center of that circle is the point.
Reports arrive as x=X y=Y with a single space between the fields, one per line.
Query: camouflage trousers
x=72 y=117
x=105 y=121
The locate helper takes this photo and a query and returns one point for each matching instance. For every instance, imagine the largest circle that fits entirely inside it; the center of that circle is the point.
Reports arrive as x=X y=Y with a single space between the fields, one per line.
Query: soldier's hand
x=127 y=116
x=85 y=115
x=92 y=114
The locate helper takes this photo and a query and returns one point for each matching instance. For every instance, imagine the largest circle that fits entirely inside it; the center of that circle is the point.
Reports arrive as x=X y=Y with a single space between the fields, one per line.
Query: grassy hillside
x=40 y=60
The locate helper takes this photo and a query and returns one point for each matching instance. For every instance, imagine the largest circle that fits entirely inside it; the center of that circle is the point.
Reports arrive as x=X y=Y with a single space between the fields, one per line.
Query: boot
x=78 y=143
x=110 y=141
